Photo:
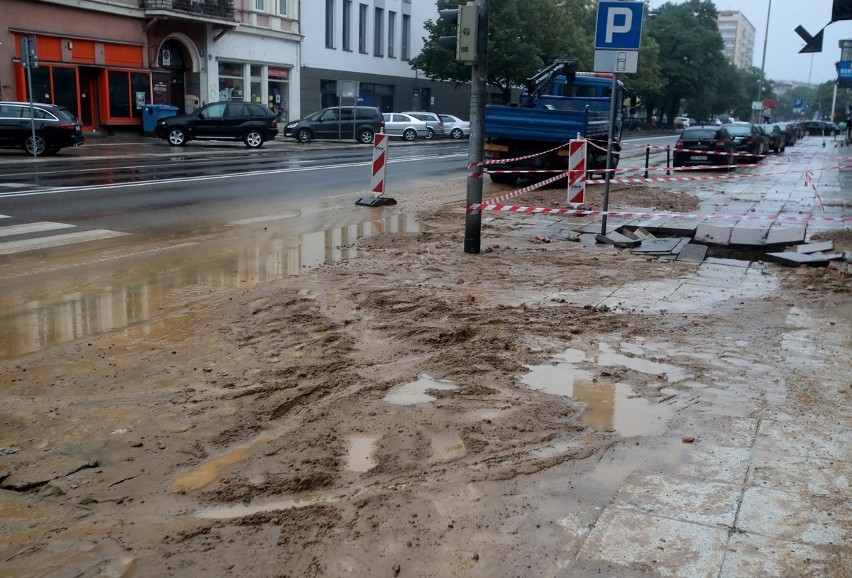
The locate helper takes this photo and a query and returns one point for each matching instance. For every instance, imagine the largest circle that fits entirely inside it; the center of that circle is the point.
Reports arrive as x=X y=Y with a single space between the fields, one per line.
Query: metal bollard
x=647 y=158
x=668 y=160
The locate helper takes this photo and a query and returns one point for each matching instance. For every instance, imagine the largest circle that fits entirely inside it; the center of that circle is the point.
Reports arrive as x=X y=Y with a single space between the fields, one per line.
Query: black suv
x=705 y=145
x=251 y=123
x=55 y=128
x=338 y=122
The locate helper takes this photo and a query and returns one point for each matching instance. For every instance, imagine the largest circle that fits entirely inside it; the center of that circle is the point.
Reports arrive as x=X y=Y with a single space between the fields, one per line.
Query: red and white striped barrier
x=380 y=158
x=577 y=171
x=488 y=206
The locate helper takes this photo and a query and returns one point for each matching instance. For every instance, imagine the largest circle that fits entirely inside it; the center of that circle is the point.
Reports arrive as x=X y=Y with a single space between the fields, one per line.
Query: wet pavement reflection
x=142 y=303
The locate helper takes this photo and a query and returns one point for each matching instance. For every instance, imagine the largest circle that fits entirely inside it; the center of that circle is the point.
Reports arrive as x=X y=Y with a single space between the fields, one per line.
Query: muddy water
x=140 y=301
x=609 y=406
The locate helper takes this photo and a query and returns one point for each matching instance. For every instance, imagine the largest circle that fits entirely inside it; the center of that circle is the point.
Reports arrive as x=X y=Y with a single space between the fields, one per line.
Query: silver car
x=404 y=126
x=455 y=127
x=433 y=121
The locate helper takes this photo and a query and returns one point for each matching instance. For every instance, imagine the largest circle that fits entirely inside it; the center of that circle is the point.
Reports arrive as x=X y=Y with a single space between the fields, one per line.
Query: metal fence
x=223 y=9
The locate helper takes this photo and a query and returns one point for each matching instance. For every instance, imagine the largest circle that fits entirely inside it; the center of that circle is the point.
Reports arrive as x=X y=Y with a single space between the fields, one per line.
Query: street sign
x=619 y=25
x=619 y=61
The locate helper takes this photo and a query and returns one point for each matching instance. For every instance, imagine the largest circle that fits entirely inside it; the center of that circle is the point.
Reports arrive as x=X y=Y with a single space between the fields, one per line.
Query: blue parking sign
x=619 y=25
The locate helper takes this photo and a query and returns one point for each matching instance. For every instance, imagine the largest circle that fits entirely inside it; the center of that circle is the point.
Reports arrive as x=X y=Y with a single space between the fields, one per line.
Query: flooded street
x=369 y=400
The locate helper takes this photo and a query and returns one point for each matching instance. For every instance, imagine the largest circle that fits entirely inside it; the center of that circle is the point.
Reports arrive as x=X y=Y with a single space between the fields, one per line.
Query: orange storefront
x=103 y=83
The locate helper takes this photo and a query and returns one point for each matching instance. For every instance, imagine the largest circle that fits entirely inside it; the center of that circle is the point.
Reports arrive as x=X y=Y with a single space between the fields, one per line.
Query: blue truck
x=559 y=103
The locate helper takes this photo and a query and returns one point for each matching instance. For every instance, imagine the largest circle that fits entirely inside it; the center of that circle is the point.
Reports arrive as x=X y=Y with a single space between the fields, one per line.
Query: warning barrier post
x=576 y=172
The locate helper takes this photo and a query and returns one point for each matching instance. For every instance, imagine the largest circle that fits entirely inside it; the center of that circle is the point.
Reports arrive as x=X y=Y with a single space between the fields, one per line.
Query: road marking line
x=275 y=217
x=32 y=228
x=56 y=241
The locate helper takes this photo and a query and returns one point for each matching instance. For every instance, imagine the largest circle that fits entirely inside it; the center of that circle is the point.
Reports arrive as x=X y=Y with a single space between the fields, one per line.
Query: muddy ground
x=264 y=432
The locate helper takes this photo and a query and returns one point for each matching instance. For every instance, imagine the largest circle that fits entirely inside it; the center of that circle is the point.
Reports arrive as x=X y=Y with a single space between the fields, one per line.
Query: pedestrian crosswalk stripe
x=56 y=241
x=39 y=227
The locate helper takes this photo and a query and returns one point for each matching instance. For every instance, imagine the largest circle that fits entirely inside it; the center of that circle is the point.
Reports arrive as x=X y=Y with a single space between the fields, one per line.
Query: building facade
x=371 y=43
x=105 y=59
x=738 y=35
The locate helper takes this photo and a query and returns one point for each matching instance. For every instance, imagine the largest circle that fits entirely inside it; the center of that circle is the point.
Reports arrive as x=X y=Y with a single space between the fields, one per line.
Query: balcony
x=192 y=10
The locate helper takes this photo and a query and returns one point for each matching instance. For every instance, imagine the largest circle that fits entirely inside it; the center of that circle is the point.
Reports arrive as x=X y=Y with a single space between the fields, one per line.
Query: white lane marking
x=203 y=178
x=276 y=217
x=32 y=228
x=5 y=217
x=56 y=241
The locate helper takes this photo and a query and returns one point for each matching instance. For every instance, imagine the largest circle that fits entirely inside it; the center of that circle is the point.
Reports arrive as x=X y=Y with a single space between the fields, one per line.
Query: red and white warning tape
x=488 y=206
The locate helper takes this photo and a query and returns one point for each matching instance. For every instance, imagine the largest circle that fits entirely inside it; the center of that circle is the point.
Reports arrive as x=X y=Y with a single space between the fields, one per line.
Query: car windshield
x=700 y=134
x=739 y=129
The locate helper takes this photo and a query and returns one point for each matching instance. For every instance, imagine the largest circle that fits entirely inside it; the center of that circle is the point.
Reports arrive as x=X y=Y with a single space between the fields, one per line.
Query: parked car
x=55 y=128
x=705 y=145
x=455 y=127
x=404 y=126
x=777 y=137
x=683 y=122
x=251 y=123
x=359 y=123
x=820 y=128
x=751 y=140
x=790 y=132
x=433 y=121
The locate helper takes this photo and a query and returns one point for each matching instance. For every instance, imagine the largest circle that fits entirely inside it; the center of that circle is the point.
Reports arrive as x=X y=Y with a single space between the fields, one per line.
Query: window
x=258 y=5
x=216 y=110
x=362 y=28
x=406 y=37
x=329 y=23
x=378 y=32
x=282 y=7
x=347 y=25
x=391 y=34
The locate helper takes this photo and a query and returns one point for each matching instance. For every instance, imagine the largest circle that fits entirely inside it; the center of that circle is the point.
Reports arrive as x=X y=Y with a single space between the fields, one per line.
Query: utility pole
x=763 y=62
x=476 y=145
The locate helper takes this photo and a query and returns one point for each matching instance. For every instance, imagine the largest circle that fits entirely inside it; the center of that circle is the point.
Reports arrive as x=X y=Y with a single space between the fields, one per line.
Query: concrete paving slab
x=786 y=234
x=681 y=498
x=750 y=236
x=659 y=546
x=724 y=464
x=664 y=245
x=805 y=440
x=713 y=234
x=754 y=555
x=738 y=263
x=693 y=252
x=798 y=474
x=822 y=520
x=794 y=258
x=816 y=247
x=722 y=430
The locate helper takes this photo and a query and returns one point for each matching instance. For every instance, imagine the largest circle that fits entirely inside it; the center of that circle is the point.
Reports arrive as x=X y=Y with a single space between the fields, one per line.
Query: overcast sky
x=783 y=61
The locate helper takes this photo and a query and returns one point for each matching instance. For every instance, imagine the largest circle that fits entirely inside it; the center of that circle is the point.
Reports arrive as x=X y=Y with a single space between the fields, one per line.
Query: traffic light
x=29 y=56
x=841 y=10
x=466 y=20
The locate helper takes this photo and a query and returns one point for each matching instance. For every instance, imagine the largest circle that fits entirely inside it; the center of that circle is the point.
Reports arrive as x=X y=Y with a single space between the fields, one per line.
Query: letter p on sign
x=618 y=21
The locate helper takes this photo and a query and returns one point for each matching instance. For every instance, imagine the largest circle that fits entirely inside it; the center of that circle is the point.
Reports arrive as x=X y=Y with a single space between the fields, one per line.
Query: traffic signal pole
x=476 y=145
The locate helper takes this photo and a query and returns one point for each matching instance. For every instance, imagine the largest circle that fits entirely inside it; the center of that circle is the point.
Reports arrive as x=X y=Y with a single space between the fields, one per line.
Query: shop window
x=41 y=84
x=65 y=88
x=230 y=81
x=126 y=92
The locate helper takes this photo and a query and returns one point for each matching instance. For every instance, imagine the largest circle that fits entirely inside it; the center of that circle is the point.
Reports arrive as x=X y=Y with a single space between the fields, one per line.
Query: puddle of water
x=32 y=319
x=609 y=407
x=360 y=457
x=446 y=447
x=241 y=510
x=415 y=392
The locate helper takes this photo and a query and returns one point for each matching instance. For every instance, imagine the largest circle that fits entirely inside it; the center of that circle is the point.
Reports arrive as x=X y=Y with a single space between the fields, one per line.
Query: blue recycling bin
x=151 y=113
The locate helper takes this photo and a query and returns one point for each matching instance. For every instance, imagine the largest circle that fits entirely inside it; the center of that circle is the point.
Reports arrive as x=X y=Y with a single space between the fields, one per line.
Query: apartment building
x=104 y=59
x=370 y=42
x=738 y=35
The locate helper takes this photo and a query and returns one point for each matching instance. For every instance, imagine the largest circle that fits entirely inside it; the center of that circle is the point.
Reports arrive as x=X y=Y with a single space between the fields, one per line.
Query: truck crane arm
x=545 y=76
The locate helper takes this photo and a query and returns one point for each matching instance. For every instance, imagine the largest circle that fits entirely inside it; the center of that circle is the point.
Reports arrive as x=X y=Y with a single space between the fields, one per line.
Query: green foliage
x=524 y=35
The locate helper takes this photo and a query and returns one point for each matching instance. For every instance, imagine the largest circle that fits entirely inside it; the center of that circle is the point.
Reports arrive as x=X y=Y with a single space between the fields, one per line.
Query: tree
x=524 y=36
x=691 y=57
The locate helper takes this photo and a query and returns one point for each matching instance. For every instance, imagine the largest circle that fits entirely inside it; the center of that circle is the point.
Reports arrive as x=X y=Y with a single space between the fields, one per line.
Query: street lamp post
x=763 y=61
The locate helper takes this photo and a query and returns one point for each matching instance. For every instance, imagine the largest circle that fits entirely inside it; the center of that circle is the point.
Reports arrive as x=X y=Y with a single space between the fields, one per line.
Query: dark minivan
x=358 y=123
x=55 y=128
x=251 y=123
